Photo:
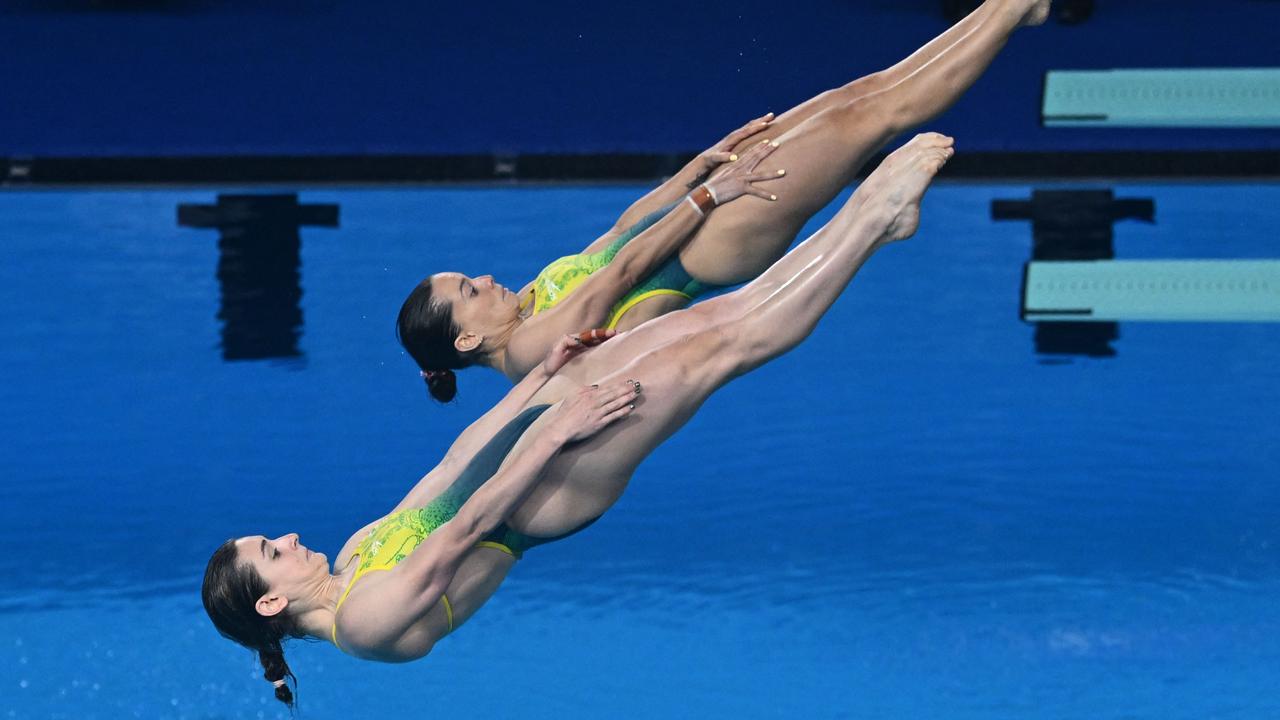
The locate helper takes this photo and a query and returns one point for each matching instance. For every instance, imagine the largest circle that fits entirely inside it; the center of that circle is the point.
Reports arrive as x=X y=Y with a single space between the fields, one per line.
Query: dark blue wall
x=339 y=76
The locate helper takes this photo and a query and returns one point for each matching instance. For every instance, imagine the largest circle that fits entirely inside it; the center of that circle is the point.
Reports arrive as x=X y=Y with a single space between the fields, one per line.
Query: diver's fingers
x=616 y=390
x=619 y=412
x=763 y=176
x=591 y=338
x=746 y=131
x=721 y=158
x=618 y=401
x=759 y=152
x=761 y=193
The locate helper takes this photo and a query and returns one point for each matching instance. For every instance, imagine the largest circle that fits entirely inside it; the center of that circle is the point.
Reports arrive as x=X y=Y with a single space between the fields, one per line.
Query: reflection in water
x=1091 y=339
x=1073 y=225
x=258 y=257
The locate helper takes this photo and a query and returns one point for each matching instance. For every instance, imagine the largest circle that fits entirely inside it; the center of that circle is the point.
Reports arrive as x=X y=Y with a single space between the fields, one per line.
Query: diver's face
x=284 y=563
x=480 y=305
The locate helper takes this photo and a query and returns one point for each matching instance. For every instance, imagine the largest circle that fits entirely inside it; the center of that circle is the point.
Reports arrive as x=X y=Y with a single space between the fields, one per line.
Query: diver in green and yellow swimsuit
x=598 y=288
x=409 y=579
x=451 y=321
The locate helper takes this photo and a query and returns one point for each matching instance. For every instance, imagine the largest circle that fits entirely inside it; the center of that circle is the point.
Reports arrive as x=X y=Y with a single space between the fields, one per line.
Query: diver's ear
x=468 y=342
x=271 y=605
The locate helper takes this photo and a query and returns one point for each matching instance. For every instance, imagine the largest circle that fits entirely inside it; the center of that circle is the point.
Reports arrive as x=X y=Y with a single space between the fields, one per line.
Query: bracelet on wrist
x=703 y=199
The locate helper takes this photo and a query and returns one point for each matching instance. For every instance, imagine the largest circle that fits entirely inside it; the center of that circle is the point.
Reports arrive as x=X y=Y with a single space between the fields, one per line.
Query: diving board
x=1244 y=97
x=1155 y=290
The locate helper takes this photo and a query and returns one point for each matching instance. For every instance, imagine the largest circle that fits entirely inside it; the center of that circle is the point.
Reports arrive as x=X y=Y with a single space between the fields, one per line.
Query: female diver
x=551 y=457
x=634 y=273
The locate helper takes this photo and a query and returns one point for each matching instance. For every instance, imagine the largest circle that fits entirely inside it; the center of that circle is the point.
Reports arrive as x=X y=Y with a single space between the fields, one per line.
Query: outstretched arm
x=693 y=174
x=479 y=432
x=422 y=578
x=589 y=304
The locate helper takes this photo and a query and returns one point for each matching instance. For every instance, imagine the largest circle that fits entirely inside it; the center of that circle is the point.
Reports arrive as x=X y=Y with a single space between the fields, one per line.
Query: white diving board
x=1155 y=290
x=1244 y=97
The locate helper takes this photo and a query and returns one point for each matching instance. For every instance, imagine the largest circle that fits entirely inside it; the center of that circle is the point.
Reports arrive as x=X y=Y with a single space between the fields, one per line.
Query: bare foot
x=1036 y=14
x=899 y=184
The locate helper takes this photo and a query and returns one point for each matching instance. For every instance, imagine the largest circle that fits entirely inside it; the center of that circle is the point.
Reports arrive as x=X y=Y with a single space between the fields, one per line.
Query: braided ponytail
x=276 y=671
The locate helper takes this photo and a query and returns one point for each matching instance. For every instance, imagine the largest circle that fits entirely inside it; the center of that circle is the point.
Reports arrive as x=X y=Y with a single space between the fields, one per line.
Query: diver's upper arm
x=383 y=620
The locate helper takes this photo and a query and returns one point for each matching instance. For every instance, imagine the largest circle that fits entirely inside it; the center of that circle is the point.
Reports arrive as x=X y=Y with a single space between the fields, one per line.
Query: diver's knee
x=882 y=114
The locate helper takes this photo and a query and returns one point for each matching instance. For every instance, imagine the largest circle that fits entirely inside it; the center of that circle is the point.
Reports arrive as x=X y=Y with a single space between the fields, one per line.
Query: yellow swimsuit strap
x=616 y=315
x=496 y=546
x=448 y=610
x=448 y=606
x=333 y=629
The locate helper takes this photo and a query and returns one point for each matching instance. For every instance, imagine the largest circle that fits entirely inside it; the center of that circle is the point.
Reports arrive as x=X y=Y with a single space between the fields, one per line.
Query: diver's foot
x=901 y=180
x=1037 y=12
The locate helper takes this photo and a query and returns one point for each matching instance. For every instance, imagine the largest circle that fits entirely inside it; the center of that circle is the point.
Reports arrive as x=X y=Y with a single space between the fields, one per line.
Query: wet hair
x=230 y=591
x=427 y=331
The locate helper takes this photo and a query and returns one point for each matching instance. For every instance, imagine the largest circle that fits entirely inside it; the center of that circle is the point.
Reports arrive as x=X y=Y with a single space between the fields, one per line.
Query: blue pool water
x=912 y=515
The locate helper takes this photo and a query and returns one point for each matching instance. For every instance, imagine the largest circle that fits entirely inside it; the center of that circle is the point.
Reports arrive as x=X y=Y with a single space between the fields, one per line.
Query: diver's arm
x=636 y=260
x=431 y=566
x=589 y=304
x=694 y=173
x=383 y=619
x=673 y=189
x=483 y=429
x=646 y=252
x=469 y=442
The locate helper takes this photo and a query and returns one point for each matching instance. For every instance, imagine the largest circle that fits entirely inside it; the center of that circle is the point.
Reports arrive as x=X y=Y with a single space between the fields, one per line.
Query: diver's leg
x=888 y=77
x=873 y=199
x=822 y=154
x=586 y=479
x=781 y=307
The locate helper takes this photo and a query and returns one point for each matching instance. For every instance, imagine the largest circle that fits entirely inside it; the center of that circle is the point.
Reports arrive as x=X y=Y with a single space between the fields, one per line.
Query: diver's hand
x=571 y=346
x=722 y=152
x=588 y=410
x=739 y=177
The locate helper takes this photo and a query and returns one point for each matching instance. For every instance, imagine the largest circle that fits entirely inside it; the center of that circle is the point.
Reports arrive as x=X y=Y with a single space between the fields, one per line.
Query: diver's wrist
x=703 y=199
x=556 y=436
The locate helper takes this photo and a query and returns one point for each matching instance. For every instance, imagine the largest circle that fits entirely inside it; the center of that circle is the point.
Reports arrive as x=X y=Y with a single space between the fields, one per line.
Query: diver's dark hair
x=230 y=591
x=427 y=332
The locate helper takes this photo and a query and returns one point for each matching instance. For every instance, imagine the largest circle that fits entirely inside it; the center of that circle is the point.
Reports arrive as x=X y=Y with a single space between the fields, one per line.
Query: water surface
x=912 y=515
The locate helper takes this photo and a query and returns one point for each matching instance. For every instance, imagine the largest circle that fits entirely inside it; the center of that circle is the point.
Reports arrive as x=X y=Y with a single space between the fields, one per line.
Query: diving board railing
x=1152 y=290
x=1245 y=97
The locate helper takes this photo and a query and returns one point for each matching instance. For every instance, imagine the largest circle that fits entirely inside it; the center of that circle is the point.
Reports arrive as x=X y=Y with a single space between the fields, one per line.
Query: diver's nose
x=487 y=278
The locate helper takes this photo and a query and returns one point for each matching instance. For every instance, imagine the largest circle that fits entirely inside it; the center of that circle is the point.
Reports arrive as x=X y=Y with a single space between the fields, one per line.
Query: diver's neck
x=499 y=359
x=322 y=606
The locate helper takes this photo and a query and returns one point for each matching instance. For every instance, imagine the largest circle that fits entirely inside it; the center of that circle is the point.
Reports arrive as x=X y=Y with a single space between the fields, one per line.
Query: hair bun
x=442 y=384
